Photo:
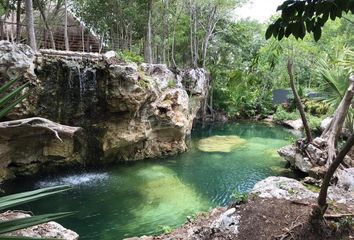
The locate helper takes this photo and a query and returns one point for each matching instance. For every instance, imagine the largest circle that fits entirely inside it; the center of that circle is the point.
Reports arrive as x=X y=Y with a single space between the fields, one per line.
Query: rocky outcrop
x=127 y=111
x=28 y=145
x=50 y=230
x=291 y=189
x=294 y=124
x=314 y=161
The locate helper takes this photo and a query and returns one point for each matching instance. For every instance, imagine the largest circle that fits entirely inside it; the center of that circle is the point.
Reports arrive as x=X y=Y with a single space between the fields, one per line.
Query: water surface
x=141 y=197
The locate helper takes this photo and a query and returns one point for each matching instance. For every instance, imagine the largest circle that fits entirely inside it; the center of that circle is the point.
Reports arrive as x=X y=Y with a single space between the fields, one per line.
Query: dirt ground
x=266 y=219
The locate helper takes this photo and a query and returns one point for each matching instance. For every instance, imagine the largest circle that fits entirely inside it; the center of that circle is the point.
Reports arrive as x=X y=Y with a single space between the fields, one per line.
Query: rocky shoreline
x=274 y=205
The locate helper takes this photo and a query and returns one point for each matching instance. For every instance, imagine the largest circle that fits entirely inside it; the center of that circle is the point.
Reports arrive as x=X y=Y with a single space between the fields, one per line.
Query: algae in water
x=220 y=143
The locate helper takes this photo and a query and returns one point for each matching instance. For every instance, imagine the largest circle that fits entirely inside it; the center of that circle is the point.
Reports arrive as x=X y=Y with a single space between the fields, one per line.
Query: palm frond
x=22 y=223
x=25 y=197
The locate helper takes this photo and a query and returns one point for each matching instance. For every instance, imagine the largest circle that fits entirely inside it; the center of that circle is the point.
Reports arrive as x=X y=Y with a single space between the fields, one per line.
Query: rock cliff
x=126 y=111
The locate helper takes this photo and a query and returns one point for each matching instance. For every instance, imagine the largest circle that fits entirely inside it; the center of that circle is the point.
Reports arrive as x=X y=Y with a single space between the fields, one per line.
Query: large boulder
x=50 y=230
x=295 y=158
x=282 y=188
x=293 y=190
x=29 y=145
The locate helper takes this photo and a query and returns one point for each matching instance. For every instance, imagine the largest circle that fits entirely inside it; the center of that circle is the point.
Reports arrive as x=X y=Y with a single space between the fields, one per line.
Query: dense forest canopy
x=245 y=67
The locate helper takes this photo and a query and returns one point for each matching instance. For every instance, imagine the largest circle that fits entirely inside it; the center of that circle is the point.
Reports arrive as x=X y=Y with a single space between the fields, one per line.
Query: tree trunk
x=18 y=21
x=2 y=34
x=31 y=37
x=164 y=31
x=320 y=209
x=66 y=38
x=298 y=102
x=191 y=23
x=195 y=38
x=148 y=40
x=333 y=130
x=51 y=37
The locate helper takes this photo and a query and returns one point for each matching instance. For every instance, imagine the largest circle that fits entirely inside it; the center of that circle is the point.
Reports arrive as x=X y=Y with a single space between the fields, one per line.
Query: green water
x=138 y=198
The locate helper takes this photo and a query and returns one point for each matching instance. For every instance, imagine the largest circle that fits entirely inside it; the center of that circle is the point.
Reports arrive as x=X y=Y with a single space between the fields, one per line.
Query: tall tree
x=31 y=37
x=298 y=102
x=66 y=38
x=18 y=21
x=46 y=24
x=148 y=38
x=297 y=18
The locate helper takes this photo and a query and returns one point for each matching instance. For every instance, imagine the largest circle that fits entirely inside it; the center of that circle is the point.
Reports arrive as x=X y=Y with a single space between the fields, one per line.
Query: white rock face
x=346 y=179
x=291 y=189
x=227 y=222
x=295 y=158
x=282 y=188
x=110 y=54
x=294 y=124
x=46 y=230
x=16 y=60
x=325 y=122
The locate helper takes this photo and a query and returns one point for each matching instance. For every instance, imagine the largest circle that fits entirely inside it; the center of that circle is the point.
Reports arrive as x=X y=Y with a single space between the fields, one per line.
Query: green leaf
x=269 y=31
x=11 y=95
x=6 y=110
x=317 y=33
x=8 y=85
x=20 y=198
x=281 y=33
x=309 y=25
x=288 y=31
x=21 y=223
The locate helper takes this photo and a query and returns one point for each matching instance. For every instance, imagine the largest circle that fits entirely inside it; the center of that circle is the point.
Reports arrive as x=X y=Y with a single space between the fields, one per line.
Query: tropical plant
x=9 y=100
x=332 y=74
x=10 y=201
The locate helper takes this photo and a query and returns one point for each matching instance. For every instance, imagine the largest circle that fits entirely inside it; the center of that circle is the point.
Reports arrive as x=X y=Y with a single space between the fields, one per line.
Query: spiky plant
x=25 y=197
x=333 y=74
x=9 y=99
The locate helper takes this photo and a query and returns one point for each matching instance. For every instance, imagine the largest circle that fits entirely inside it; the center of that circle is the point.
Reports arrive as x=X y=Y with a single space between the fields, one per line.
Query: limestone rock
x=294 y=124
x=282 y=188
x=16 y=60
x=128 y=111
x=296 y=160
x=346 y=178
x=227 y=222
x=28 y=144
x=46 y=230
x=325 y=123
x=291 y=189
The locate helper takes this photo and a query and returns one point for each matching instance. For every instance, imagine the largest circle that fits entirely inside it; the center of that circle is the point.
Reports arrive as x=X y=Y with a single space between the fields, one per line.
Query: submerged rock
x=220 y=143
x=46 y=230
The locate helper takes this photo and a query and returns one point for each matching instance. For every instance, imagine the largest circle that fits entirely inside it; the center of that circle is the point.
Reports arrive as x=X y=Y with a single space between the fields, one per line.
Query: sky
x=259 y=10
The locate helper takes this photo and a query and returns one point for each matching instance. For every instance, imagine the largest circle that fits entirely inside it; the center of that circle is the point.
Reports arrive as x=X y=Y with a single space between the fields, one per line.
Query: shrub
x=127 y=56
x=239 y=197
x=282 y=115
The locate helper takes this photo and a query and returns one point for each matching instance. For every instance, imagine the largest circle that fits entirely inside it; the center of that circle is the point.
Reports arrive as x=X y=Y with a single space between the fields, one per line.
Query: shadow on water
x=134 y=199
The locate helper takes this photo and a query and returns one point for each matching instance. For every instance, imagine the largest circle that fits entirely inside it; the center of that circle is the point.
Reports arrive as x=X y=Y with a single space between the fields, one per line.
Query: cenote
x=141 y=197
